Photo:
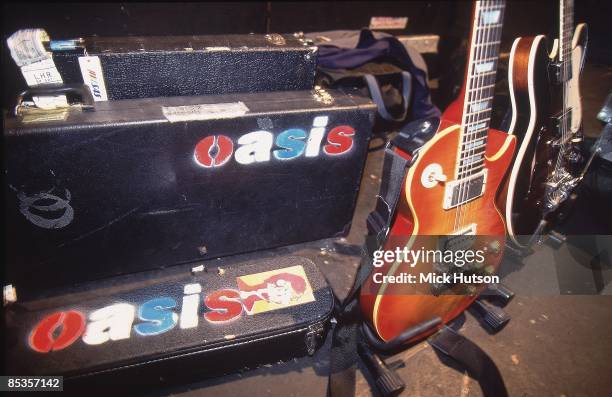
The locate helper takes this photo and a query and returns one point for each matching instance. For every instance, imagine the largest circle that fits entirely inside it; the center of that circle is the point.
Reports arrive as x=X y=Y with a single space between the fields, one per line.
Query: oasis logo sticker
x=255 y=293
x=260 y=146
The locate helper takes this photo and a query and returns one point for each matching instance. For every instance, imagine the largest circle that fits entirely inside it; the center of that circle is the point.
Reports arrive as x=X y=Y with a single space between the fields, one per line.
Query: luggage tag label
x=93 y=77
x=29 y=53
x=26 y=46
x=41 y=72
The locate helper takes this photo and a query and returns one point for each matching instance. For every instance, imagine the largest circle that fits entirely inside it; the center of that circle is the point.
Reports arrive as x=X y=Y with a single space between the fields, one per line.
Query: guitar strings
x=487 y=39
x=473 y=96
x=477 y=92
x=467 y=116
x=562 y=44
x=565 y=15
x=483 y=53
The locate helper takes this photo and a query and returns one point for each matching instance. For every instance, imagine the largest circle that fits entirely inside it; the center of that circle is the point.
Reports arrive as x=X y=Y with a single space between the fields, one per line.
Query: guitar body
x=579 y=43
x=393 y=308
x=448 y=205
x=530 y=100
x=535 y=103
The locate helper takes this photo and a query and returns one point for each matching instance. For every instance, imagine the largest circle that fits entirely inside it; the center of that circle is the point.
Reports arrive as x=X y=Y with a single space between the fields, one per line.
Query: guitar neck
x=566 y=30
x=480 y=85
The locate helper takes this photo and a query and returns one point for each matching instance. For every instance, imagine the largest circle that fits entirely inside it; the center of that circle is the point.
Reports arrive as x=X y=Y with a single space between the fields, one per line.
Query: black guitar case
x=200 y=320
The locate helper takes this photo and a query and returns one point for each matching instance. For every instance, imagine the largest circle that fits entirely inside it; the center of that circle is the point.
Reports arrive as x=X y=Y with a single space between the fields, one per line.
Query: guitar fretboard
x=566 y=30
x=480 y=85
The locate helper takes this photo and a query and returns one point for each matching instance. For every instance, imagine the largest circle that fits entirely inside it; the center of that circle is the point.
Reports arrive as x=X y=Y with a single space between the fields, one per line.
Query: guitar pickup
x=555 y=72
x=463 y=190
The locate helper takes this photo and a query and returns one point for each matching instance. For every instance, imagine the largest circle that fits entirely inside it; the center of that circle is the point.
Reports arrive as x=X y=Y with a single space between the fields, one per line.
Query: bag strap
x=477 y=362
x=378 y=99
x=343 y=356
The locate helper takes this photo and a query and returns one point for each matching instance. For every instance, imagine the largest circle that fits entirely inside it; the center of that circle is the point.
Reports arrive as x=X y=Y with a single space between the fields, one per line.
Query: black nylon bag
x=388 y=85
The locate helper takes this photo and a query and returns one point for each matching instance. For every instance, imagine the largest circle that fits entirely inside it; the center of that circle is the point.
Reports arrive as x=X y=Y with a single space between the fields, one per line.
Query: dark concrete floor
x=558 y=343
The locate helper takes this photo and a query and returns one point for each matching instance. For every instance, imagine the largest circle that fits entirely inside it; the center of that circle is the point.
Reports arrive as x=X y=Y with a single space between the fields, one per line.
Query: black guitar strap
x=392 y=181
x=477 y=362
x=343 y=363
x=409 y=140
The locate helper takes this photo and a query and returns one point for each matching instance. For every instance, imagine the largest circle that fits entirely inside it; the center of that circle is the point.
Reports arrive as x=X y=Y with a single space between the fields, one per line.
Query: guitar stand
x=556 y=239
x=494 y=317
x=516 y=252
x=537 y=235
x=498 y=292
x=387 y=381
x=402 y=338
x=446 y=341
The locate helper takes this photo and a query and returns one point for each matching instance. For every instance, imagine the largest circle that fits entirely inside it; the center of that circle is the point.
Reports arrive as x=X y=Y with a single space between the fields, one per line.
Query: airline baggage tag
x=36 y=64
x=93 y=77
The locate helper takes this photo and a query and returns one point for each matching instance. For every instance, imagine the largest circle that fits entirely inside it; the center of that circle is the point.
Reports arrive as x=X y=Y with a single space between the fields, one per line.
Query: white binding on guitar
x=573 y=102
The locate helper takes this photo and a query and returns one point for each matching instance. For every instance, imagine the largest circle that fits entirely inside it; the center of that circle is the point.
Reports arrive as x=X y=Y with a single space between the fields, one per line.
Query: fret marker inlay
x=490 y=17
x=478 y=106
x=476 y=127
x=484 y=67
x=473 y=145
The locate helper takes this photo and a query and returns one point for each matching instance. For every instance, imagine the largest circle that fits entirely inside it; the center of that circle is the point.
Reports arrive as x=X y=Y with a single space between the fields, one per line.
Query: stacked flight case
x=136 y=164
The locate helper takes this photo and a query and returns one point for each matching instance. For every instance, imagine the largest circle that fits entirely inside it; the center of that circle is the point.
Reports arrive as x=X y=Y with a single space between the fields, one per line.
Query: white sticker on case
x=204 y=111
x=388 y=23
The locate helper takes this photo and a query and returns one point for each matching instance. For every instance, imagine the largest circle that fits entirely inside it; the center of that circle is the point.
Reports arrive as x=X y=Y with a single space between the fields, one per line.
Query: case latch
x=313 y=337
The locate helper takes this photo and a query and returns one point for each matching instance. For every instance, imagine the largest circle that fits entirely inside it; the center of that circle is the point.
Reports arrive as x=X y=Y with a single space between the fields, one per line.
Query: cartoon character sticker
x=276 y=289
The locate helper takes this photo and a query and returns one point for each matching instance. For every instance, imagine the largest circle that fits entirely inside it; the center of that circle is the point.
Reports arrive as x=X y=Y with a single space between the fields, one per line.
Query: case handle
x=81 y=91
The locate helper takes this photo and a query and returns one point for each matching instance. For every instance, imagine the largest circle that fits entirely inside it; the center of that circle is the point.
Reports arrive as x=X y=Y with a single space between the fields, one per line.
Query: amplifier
x=146 y=67
x=106 y=188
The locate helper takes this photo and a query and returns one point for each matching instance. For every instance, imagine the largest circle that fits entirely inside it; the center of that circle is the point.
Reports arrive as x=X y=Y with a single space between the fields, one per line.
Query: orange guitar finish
x=420 y=217
x=393 y=308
